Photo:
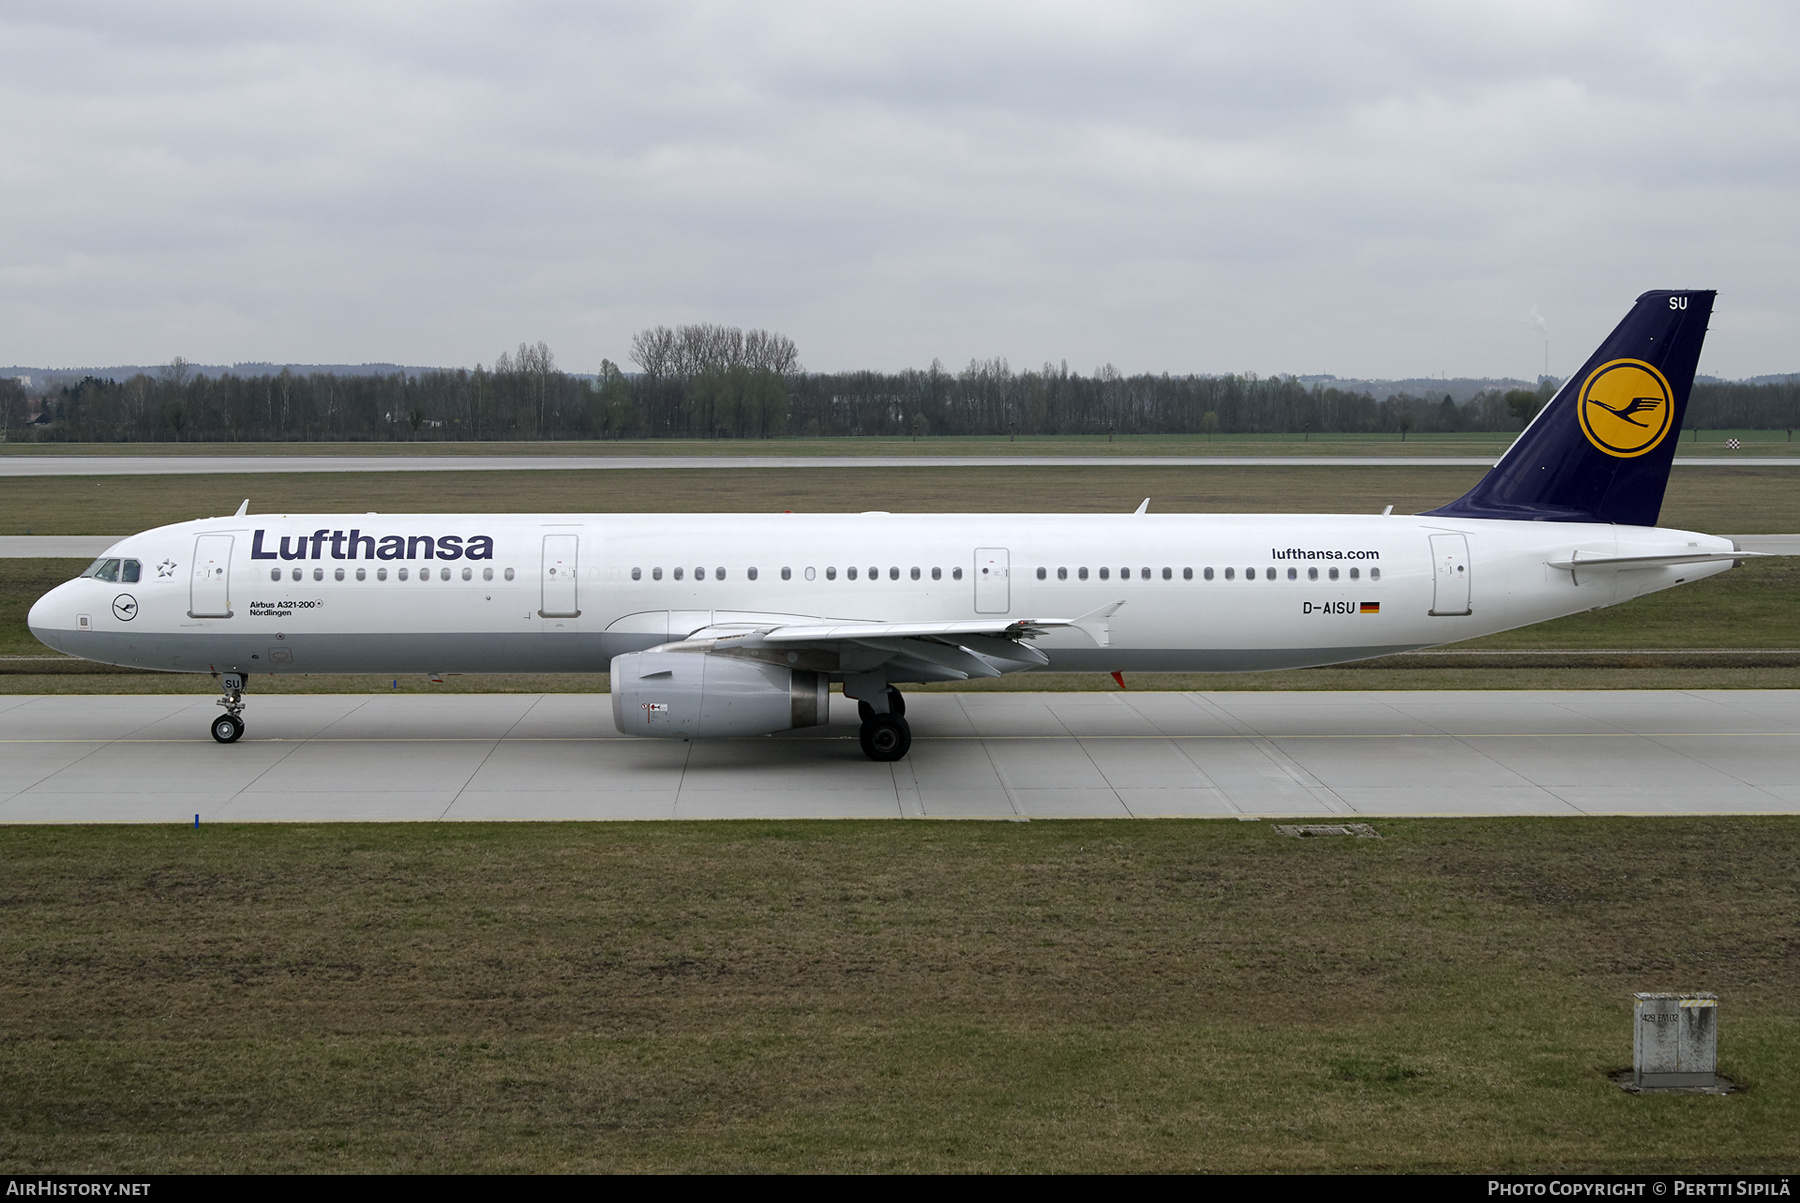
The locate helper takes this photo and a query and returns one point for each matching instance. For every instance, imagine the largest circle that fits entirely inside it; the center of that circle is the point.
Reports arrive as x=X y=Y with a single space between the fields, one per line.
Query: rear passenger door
x=1450 y=574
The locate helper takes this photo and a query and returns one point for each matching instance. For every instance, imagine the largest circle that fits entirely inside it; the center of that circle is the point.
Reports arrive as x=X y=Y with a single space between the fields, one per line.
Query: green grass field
x=1172 y=996
x=1749 y=500
x=1070 y=996
x=1708 y=442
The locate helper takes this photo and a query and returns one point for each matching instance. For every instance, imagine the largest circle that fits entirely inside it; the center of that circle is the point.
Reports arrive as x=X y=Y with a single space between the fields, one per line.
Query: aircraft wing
x=953 y=650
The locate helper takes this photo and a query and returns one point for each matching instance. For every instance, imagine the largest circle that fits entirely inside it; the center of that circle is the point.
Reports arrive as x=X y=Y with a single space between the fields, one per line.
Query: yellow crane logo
x=1626 y=407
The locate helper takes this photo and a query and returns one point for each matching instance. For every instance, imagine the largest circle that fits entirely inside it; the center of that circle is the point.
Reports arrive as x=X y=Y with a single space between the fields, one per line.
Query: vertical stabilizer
x=1600 y=450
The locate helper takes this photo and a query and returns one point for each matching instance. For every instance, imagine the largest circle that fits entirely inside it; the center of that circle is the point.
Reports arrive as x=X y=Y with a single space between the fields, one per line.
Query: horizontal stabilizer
x=1578 y=563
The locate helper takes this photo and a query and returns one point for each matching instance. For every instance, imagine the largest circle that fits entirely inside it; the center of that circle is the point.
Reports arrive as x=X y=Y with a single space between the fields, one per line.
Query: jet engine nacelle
x=689 y=695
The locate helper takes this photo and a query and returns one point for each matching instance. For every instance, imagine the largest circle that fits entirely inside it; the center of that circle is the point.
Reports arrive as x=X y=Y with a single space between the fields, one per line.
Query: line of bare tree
x=704 y=381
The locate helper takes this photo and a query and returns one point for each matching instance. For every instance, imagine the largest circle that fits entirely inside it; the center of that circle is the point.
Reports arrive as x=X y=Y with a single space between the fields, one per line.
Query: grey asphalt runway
x=148 y=759
x=188 y=465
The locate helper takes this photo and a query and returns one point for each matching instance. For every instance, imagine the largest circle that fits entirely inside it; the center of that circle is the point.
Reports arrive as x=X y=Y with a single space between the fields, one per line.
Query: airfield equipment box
x=1675 y=1041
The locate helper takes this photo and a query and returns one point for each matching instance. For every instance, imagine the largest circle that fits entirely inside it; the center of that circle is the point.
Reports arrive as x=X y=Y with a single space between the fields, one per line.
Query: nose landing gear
x=228 y=727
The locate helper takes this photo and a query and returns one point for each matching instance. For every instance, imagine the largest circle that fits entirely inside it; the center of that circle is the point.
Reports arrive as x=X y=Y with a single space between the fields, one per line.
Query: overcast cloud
x=1370 y=190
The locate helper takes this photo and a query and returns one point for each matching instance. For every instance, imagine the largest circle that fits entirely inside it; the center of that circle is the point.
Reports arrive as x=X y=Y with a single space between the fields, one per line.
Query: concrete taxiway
x=113 y=759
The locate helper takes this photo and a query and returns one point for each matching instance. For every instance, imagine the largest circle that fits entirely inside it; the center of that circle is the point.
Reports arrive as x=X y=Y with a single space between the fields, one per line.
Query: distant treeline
x=717 y=382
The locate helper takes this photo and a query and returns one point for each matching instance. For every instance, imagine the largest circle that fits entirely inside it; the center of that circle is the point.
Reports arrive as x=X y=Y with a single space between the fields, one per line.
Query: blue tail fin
x=1600 y=451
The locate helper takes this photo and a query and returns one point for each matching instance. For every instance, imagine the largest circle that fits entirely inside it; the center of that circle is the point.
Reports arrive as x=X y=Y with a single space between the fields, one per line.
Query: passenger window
x=1062 y=574
x=381 y=574
x=1144 y=574
x=718 y=574
x=637 y=574
x=132 y=569
x=1208 y=574
x=1374 y=574
x=468 y=574
x=1249 y=574
x=1081 y=574
x=274 y=574
x=509 y=573
x=1106 y=574
x=1230 y=574
x=1332 y=573
x=809 y=574
x=699 y=574
x=1312 y=574
x=401 y=574
x=1042 y=573
x=1268 y=574
x=850 y=573
x=915 y=574
x=318 y=574
x=1168 y=574
x=677 y=574
x=749 y=572
x=831 y=573
x=297 y=573
x=787 y=574
x=487 y=574
x=1187 y=574
x=874 y=574
x=338 y=575
x=362 y=574
x=894 y=574
x=1355 y=573
x=956 y=574
x=655 y=574
x=1293 y=574
x=937 y=574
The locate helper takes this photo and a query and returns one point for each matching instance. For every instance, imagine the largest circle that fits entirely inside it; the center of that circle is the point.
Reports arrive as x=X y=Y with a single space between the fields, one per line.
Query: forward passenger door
x=209 y=589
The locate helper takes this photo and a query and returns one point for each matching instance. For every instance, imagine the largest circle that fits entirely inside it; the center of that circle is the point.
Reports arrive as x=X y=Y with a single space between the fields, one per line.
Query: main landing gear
x=885 y=736
x=228 y=728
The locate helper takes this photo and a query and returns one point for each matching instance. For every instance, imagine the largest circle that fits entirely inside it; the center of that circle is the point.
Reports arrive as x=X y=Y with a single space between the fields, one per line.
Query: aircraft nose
x=51 y=617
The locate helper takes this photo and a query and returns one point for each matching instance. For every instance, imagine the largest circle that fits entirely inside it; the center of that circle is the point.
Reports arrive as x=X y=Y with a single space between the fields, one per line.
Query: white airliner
x=726 y=625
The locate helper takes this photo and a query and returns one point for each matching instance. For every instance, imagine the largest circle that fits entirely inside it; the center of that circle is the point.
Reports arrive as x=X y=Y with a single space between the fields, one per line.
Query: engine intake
x=698 y=695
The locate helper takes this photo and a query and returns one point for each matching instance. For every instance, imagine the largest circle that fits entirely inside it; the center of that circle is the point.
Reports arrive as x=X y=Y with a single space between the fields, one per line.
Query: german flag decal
x=1371 y=607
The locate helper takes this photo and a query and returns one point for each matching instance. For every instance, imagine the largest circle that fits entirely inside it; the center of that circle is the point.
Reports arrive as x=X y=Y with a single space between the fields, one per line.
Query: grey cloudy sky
x=1371 y=189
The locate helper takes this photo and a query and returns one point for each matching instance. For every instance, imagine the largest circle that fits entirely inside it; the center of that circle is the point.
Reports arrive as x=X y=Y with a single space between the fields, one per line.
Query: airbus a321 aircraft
x=732 y=624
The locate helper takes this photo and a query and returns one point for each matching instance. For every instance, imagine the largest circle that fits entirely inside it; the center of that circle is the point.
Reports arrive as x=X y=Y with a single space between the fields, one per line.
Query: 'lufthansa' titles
x=354 y=545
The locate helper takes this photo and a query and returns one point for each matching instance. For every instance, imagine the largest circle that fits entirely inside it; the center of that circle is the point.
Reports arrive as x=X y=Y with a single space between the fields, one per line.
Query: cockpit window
x=103 y=570
x=132 y=571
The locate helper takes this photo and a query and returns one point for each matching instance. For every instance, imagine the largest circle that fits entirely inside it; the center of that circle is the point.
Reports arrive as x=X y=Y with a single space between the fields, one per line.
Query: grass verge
x=1749 y=500
x=1712 y=442
x=1070 y=996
